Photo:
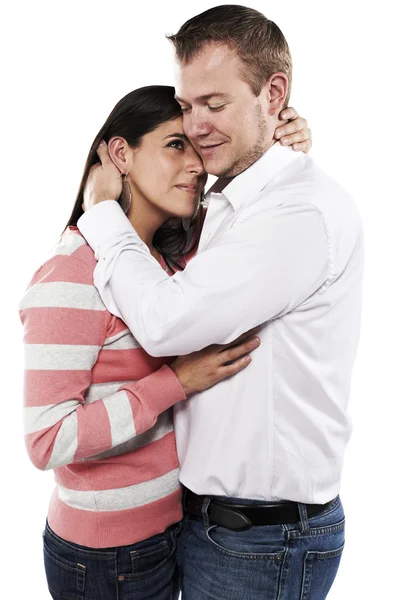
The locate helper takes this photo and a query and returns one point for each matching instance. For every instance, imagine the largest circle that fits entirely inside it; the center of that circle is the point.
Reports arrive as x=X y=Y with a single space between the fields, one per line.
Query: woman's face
x=167 y=172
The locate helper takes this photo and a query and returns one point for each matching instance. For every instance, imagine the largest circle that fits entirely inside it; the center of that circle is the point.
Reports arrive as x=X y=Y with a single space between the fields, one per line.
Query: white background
x=64 y=66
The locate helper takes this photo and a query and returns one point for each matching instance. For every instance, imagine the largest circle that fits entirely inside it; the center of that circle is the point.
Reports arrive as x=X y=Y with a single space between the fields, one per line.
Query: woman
x=97 y=407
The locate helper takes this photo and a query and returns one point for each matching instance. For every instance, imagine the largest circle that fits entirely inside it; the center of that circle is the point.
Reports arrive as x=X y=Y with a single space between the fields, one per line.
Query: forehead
x=214 y=70
x=166 y=129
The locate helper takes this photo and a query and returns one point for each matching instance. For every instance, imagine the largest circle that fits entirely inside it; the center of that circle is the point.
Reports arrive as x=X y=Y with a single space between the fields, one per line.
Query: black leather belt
x=240 y=517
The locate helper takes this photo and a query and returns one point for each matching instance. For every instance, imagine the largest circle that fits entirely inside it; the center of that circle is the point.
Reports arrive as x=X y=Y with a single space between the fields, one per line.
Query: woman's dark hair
x=138 y=113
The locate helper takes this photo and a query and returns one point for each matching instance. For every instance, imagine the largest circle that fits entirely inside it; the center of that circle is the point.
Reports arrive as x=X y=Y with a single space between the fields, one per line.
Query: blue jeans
x=294 y=561
x=139 y=572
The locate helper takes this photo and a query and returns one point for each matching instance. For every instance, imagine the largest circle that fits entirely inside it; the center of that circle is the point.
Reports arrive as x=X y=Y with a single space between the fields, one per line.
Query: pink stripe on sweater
x=40 y=445
x=93 y=433
x=85 y=254
x=41 y=326
x=131 y=363
x=119 y=528
x=49 y=387
x=146 y=463
x=63 y=268
x=164 y=387
x=115 y=326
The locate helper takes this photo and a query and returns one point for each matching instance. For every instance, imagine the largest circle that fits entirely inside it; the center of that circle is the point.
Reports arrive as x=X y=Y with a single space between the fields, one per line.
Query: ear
x=276 y=89
x=119 y=151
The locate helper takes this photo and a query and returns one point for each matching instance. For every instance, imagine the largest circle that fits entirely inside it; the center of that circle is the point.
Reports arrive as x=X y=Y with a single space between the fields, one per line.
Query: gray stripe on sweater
x=98 y=391
x=66 y=443
x=62 y=294
x=37 y=418
x=121 y=418
x=121 y=341
x=125 y=498
x=69 y=244
x=60 y=357
x=163 y=427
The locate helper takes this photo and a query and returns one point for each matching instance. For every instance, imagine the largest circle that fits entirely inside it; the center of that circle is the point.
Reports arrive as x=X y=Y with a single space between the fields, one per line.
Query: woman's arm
x=64 y=330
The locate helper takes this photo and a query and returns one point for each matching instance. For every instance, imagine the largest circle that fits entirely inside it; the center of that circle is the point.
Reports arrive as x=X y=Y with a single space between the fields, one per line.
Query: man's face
x=226 y=123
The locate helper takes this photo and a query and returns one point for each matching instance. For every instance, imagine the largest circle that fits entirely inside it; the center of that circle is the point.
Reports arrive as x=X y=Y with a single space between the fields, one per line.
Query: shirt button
x=121 y=578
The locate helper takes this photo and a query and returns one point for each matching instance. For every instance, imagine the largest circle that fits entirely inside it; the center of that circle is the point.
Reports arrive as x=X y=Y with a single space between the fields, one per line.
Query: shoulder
x=66 y=278
x=73 y=244
x=315 y=186
x=304 y=184
x=70 y=260
x=309 y=186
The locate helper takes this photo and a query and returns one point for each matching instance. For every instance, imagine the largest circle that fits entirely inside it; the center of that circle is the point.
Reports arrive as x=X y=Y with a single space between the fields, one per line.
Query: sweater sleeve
x=64 y=323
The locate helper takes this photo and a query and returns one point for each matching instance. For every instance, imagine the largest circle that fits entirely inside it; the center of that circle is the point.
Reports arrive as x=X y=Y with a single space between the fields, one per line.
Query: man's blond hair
x=257 y=41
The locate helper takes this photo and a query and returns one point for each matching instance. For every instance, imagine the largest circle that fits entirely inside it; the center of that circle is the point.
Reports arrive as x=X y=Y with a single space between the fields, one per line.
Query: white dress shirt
x=281 y=246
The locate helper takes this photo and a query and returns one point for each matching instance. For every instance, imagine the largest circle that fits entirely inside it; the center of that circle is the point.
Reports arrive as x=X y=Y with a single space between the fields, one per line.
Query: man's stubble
x=251 y=155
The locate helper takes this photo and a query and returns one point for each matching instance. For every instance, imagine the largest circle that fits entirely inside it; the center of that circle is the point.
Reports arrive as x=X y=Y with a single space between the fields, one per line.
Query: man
x=281 y=247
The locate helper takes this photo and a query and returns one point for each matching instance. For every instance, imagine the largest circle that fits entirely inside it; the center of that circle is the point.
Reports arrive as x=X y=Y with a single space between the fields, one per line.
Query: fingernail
x=285 y=142
x=295 y=146
x=278 y=135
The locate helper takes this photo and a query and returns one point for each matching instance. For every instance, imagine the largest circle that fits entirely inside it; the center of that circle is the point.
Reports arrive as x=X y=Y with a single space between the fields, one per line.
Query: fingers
x=295 y=138
x=303 y=146
x=232 y=354
x=235 y=367
x=290 y=127
x=241 y=338
x=102 y=153
x=288 y=114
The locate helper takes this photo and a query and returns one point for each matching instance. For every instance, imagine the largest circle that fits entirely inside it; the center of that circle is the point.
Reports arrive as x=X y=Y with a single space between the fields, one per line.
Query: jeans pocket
x=150 y=557
x=65 y=578
x=243 y=544
x=145 y=561
x=319 y=572
x=153 y=573
x=237 y=565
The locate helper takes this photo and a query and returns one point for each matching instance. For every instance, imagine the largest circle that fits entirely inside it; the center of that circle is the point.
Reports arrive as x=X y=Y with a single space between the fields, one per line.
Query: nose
x=194 y=164
x=195 y=125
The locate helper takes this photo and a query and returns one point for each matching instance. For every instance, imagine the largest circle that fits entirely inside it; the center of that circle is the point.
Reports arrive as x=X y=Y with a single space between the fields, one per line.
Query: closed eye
x=215 y=108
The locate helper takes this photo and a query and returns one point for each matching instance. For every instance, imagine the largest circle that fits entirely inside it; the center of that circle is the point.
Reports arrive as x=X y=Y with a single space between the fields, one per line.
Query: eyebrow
x=205 y=96
x=178 y=135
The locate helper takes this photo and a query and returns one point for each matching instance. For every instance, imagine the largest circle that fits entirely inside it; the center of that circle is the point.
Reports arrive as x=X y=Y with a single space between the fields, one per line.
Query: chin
x=218 y=168
x=183 y=214
x=220 y=171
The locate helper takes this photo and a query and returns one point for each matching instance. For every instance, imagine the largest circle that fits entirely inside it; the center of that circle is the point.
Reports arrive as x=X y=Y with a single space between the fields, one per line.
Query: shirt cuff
x=102 y=221
x=161 y=389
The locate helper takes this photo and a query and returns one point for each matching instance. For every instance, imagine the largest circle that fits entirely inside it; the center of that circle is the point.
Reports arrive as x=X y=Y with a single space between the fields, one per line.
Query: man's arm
x=260 y=269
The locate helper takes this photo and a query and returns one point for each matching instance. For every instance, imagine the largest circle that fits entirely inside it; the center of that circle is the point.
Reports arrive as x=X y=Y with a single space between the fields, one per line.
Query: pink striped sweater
x=97 y=409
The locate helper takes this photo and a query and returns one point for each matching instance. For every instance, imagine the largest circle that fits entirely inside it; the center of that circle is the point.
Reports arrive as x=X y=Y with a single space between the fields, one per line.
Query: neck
x=144 y=229
x=146 y=219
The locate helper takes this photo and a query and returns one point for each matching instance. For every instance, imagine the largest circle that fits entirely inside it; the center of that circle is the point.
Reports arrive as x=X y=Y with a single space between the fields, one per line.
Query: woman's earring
x=125 y=198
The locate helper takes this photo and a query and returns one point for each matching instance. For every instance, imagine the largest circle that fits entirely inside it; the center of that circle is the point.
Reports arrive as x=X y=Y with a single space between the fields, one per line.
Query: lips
x=187 y=187
x=209 y=149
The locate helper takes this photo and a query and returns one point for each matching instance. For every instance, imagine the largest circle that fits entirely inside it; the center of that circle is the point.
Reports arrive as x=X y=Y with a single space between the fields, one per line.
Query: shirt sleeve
x=260 y=269
x=64 y=329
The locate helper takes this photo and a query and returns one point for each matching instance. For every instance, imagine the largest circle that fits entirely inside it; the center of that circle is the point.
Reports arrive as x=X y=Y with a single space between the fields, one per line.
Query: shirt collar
x=248 y=184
